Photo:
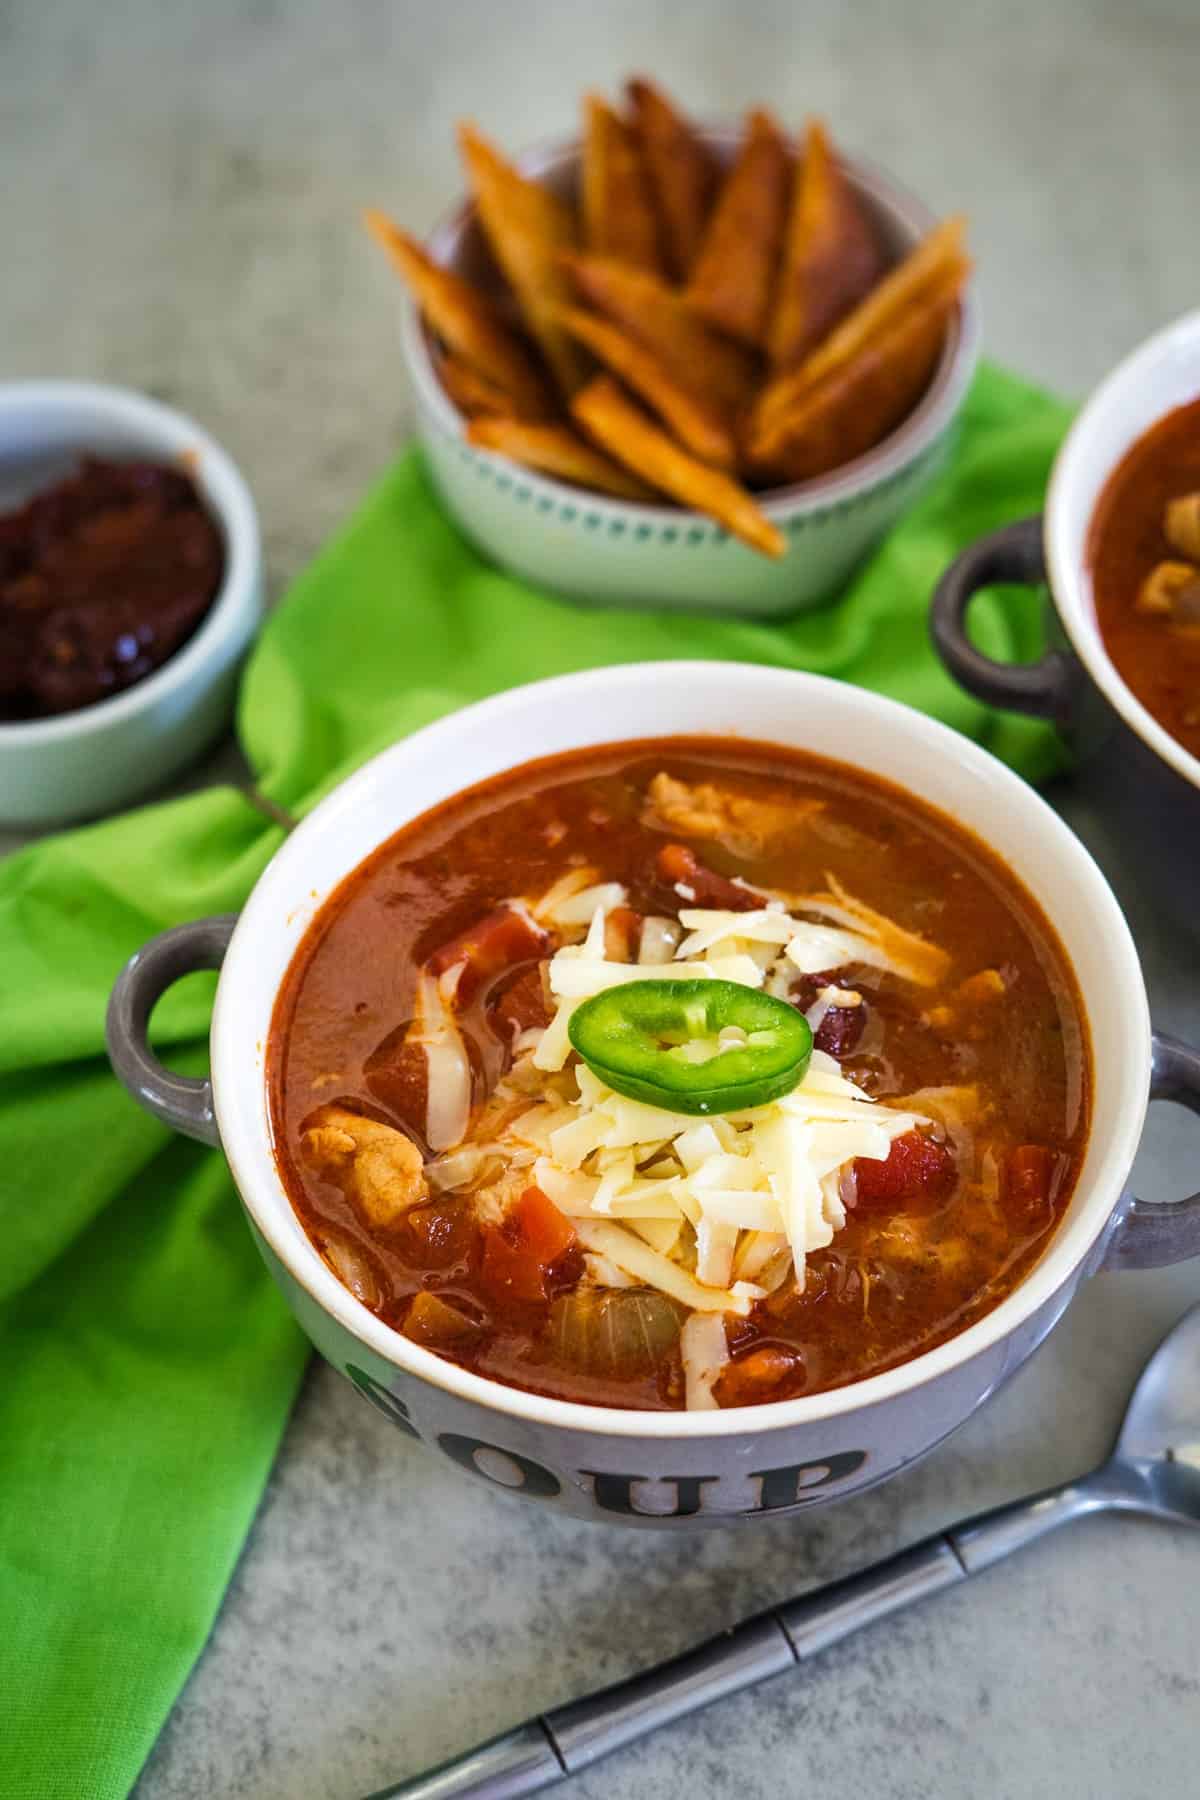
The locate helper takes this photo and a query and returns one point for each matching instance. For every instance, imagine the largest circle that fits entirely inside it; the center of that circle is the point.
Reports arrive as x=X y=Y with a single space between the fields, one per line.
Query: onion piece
x=434 y=1322
x=619 y=1332
x=457 y=1169
x=353 y=1269
x=448 y=1097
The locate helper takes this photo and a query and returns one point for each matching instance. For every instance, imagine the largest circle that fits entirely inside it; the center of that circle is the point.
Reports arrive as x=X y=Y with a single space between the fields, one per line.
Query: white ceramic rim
x=901 y=448
x=166 y=433
x=1070 y=581
x=238 y=1074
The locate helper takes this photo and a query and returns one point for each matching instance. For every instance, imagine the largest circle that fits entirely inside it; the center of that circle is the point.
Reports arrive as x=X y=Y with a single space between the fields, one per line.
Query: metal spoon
x=1154 y=1468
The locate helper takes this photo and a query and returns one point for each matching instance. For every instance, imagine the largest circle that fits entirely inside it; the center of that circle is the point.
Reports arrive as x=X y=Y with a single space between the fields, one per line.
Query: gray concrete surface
x=178 y=197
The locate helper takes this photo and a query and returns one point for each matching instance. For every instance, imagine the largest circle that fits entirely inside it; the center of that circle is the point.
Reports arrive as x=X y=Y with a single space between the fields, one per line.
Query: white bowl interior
x=805 y=711
x=45 y=428
x=1162 y=374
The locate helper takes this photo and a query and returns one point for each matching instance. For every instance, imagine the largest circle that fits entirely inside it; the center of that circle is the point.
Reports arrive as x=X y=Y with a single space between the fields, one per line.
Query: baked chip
x=899 y=292
x=706 y=363
x=473 y=393
x=527 y=227
x=466 y=321
x=619 y=219
x=556 y=450
x=682 y=171
x=832 y=256
x=696 y=424
x=626 y=433
x=732 y=281
x=858 y=402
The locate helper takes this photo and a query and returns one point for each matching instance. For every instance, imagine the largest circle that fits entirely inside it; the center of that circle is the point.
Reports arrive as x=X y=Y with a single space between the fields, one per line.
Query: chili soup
x=1144 y=557
x=686 y=1072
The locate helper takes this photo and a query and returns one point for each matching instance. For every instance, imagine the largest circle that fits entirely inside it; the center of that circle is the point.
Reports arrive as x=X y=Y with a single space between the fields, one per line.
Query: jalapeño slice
x=693 y=1046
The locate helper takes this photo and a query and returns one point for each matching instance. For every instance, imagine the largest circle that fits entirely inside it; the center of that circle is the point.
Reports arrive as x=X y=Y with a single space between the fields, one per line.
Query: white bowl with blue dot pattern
x=593 y=548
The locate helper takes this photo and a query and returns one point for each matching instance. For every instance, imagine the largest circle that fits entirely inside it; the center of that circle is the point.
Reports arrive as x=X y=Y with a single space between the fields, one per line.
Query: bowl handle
x=184 y=1102
x=1011 y=554
x=1148 y=1234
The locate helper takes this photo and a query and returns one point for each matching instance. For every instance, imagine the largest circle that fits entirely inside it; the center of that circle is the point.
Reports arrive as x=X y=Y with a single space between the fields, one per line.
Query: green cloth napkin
x=147 y=1362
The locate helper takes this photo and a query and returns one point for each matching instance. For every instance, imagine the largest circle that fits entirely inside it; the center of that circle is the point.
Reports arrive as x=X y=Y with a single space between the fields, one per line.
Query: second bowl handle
x=184 y=1102
x=1011 y=554
x=1152 y=1234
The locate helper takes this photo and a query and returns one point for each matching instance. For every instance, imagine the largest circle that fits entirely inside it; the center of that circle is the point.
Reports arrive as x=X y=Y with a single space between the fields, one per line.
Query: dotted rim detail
x=685 y=535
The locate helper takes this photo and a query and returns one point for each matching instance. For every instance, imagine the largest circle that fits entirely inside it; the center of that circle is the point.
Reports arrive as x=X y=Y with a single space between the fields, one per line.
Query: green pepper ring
x=620 y=1035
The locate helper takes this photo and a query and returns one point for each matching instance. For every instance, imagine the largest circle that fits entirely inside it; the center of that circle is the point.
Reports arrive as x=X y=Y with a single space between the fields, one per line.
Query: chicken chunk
x=377 y=1168
x=744 y=823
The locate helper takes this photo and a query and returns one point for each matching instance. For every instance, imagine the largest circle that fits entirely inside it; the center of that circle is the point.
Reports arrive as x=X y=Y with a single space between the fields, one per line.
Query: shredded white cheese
x=704 y=1350
x=714 y=1212
x=771 y=1171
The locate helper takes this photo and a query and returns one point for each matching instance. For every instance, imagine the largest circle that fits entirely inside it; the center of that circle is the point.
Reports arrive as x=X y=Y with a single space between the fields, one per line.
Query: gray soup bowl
x=670 y=1470
x=1149 y=784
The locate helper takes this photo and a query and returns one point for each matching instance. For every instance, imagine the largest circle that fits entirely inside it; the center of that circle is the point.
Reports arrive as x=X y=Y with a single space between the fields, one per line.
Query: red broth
x=1156 y=653
x=995 y=1049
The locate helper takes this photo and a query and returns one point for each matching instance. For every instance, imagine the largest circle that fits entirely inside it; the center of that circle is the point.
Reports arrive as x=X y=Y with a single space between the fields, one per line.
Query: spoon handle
x=991 y=1536
x=559 y=1743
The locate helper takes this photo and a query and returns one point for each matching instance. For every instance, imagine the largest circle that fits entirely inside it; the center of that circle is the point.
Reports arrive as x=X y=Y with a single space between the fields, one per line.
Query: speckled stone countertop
x=179 y=212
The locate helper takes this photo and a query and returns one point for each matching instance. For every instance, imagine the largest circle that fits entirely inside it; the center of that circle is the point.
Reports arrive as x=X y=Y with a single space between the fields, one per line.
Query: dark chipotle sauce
x=1153 y=637
x=938 y=1234
x=102 y=577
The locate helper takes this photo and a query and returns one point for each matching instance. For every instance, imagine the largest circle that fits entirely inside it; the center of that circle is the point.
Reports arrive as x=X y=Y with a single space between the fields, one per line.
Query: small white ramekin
x=590 y=547
x=76 y=765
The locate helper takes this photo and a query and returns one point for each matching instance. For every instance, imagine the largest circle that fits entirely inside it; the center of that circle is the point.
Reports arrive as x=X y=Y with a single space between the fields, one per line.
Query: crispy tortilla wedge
x=527 y=227
x=856 y=404
x=657 y=316
x=682 y=171
x=732 y=280
x=618 y=212
x=899 y=291
x=832 y=256
x=698 y=426
x=473 y=393
x=556 y=450
x=466 y=321
x=624 y=430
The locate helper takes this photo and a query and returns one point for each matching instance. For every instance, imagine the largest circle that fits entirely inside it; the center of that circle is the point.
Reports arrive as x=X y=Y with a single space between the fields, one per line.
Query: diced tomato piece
x=916 y=1166
x=520 y=1006
x=518 y=1255
x=676 y=866
x=547 y=1231
x=509 y=1270
x=1031 y=1175
x=505 y=936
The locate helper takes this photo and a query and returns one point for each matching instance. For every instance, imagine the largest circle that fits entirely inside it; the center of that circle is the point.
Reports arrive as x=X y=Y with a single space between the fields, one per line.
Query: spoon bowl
x=1160 y=1434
